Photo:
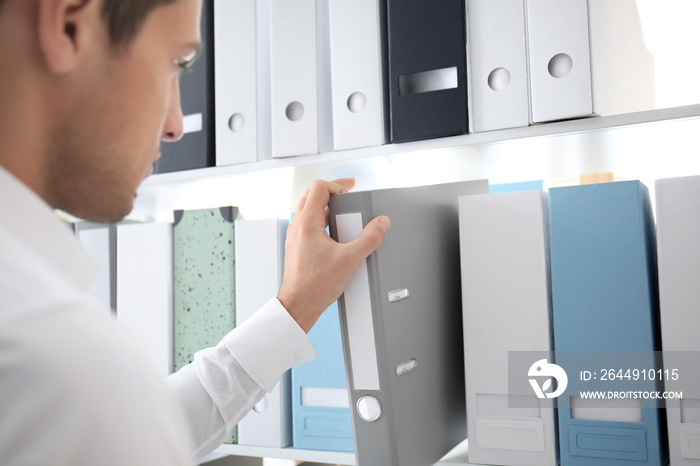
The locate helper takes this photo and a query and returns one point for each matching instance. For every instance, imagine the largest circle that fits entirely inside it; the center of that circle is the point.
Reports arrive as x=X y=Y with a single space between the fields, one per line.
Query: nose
x=173 y=129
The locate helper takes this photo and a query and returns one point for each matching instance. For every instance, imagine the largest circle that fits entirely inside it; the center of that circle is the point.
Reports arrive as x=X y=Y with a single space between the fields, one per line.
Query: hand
x=316 y=268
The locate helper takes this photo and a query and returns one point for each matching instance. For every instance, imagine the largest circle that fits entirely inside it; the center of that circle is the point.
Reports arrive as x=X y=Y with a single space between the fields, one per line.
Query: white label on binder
x=428 y=81
x=358 y=313
x=509 y=434
x=192 y=123
x=612 y=410
x=325 y=397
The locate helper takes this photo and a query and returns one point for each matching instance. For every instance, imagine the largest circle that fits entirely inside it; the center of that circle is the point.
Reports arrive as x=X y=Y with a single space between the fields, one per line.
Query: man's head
x=89 y=89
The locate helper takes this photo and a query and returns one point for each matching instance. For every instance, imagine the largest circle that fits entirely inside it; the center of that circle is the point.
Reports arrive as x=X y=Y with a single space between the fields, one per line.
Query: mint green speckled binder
x=203 y=282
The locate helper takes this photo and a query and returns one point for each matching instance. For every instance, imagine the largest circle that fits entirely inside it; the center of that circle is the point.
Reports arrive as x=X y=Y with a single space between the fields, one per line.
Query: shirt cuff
x=269 y=343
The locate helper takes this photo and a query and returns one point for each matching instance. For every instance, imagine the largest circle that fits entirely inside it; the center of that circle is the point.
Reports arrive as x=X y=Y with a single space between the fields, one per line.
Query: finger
x=371 y=237
x=320 y=193
x=348 y=183
x=302 y=201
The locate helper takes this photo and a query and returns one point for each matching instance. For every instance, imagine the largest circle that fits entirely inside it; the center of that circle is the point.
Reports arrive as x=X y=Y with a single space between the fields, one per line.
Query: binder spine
x=360 y=312
x=357 y=78
x=559 y=59
x=507 y=424
x=427 y=69
x=605 y=306
x=678 y=227
x=145 y=292
x=203 y=282
x=235 y=81
x=497 y=84
x=294 y=80
x=258 y=248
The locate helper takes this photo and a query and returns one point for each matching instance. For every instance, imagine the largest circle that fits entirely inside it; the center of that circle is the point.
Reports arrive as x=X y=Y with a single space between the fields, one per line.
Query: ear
x=65 y=28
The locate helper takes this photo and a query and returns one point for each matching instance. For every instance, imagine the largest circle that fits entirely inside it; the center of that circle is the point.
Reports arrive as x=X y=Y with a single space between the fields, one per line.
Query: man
x=88 y=88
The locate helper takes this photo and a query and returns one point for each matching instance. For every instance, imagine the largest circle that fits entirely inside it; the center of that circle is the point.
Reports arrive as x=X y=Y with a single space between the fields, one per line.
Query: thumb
x=371 y=237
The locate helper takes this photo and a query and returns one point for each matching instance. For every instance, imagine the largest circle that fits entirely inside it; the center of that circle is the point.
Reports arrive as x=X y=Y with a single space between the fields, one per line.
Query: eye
x=185 y=64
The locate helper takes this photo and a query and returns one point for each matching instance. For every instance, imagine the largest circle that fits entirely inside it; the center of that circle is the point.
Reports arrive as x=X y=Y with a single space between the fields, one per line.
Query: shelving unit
x=461 y=142
x=330 y=457
x=646 y=145
x=457 y=457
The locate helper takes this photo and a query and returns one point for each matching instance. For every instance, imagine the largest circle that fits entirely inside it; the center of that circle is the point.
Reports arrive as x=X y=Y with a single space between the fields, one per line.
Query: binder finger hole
x=236 y=122
x=295 y=111
x=560 y=65
x=499 y=79
x=357 y=102
x=261 y=406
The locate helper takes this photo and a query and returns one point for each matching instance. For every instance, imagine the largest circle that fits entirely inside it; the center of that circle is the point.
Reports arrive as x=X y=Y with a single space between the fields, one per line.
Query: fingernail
x=384 y=223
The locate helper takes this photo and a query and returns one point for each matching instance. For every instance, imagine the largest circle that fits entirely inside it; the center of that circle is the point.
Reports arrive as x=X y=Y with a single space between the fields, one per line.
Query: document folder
x=606 y=316
x=203 y=281
x=678 y=230
x=401 y=324
x=196 y=148
x=319 y=391
x=586 y=58
x=559 y=58
x=259 y=250
x=100 y=241
x=497 y=65
x=427 y=69
x=358 y=72
x=145 y=291
x=235 y=73
x=294 y=83
x=504 y=251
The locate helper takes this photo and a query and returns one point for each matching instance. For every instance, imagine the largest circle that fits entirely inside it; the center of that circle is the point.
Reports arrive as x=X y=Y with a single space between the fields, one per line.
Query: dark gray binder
x=427 y=68
x=401 y=323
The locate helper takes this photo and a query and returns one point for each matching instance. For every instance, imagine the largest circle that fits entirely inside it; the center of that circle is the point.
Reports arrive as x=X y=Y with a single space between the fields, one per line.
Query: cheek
x=148 y=119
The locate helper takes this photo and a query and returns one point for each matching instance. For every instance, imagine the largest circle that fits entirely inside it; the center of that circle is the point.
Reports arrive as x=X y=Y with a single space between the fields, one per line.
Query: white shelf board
x=330 y=457
x=456 y=457
x=462 y=141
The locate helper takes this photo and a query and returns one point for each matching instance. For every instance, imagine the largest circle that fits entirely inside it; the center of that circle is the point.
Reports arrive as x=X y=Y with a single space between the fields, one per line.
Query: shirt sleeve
x=224 y=382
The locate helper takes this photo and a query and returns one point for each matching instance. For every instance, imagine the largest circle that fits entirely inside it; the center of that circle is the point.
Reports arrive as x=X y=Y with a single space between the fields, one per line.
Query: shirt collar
x=24 y=214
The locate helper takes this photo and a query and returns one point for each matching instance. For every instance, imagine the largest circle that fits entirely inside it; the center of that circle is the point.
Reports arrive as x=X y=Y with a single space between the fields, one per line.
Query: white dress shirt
x=78 y=389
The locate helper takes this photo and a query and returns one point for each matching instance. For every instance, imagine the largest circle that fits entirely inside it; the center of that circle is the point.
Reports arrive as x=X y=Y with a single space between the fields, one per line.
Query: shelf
x=645 y=146
x=330 y=457
x=454 y=142
x=456 y=457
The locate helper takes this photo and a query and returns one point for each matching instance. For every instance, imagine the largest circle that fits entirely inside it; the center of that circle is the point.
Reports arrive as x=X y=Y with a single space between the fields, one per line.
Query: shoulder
x=77 y=384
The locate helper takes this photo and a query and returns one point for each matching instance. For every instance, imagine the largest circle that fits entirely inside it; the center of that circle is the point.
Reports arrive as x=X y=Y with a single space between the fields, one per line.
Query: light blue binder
x=514 y=187
x=315 y=427
x=606 y=316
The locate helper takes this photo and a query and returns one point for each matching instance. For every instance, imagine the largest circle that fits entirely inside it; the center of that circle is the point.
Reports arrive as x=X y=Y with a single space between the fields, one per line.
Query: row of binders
x=525 y=280
x=444 y=332
x=279 y=76
x=182 y=287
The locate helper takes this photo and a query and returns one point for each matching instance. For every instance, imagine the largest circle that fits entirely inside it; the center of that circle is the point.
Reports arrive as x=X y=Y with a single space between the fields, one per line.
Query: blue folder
x=606 y=316
x=322 y=428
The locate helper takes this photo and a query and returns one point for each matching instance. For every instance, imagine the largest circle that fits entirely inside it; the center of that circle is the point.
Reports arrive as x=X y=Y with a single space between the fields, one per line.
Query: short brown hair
x=124 y=18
